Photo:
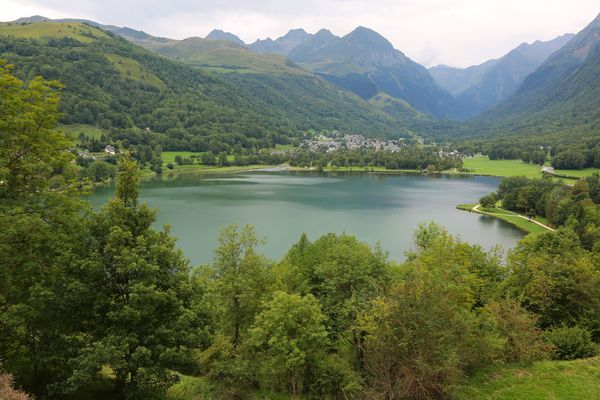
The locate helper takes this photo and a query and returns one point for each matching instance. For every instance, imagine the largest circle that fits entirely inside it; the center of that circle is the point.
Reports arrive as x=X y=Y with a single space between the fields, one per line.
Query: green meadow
x=544 y=380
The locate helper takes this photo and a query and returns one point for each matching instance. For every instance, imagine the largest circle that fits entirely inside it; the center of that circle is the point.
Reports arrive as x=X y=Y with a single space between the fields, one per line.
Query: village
x=349 y=142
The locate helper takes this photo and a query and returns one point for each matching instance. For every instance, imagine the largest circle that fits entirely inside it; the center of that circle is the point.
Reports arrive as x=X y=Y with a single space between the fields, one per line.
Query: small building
x=111 y=150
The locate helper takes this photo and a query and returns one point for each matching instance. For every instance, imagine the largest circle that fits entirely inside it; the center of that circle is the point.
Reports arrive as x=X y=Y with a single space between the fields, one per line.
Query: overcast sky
x=431 y=32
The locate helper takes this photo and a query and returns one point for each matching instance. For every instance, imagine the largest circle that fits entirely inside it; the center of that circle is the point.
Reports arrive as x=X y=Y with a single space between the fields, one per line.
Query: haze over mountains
x=480 y=87
x=365 y=63
x=562 y=95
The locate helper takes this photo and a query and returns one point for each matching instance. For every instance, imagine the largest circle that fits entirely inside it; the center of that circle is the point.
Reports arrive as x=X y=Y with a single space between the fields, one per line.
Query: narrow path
x=511 y=214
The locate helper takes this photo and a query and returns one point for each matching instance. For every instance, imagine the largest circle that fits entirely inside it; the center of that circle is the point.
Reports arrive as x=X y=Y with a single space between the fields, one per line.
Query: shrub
x=333 y=377
x=570 y=343
x=7 y=391
x=517 y=327
x=489 y=200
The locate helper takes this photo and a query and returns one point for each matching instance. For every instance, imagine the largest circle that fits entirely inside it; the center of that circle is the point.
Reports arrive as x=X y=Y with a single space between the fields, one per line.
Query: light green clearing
x=482 y=165
x=130 y=68
x=207 y=169
x=50 y=30
x=169 y=157
x=72 y=131
x=544 y=380
x=579 y=173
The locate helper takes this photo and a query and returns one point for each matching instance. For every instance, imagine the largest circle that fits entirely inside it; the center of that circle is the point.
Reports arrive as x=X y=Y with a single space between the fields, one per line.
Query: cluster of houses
x=350 y=142
x=450 y=154
x=109 y=150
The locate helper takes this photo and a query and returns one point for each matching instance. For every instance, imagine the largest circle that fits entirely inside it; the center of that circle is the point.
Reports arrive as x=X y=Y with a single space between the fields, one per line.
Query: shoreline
x=524 y=224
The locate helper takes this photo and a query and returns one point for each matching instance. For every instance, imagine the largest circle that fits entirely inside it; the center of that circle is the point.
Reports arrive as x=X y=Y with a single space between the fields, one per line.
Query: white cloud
x=453 y=32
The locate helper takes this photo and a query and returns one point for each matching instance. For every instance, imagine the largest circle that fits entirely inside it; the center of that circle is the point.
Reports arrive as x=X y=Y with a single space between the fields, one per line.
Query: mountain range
x=561 y=96
x=495 y=95
x=480 y=87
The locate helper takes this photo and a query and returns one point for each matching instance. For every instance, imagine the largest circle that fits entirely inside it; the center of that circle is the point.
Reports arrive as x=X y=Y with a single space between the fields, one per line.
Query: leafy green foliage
x=287 y=338
x=425 y=333
x=569 y=343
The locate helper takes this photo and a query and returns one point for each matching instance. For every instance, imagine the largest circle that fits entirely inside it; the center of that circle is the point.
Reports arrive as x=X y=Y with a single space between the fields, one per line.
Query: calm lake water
x=281 y=206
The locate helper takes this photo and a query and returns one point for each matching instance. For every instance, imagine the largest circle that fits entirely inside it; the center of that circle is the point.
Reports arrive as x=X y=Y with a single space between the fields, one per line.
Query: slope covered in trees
x=480 y=87
x=112 y=83
x=561 y=98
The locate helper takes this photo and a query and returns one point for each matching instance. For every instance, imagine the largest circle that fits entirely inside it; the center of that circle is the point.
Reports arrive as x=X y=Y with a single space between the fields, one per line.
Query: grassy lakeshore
x=568 y=380
x=514 y=219
x=482 y=165
x=206 y=169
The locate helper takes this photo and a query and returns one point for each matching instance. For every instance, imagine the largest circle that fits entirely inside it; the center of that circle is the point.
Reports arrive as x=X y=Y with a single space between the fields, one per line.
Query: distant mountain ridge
x=217 y=34
x=563 y=94
x=283 y=45
x=481 y=87
x=367 y=64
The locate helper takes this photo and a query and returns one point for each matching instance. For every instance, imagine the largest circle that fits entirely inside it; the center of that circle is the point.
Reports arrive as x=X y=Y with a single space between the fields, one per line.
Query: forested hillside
x=561 y=98
x=480 y=87
x=112 y=83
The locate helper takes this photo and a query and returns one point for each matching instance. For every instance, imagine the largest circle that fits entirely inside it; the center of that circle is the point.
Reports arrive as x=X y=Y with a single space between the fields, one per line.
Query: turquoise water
x=281 y=206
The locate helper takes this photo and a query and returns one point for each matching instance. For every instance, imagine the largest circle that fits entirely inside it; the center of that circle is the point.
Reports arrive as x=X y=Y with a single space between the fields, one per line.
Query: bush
x=7 y=391
x=517 y=327
x=489 y=200
x=334 y=377
x=170 y=165
x=570 y=343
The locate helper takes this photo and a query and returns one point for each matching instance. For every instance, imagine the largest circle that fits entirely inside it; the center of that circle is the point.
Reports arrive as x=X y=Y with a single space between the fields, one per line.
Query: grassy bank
x=523 y=224
x=208 y=169
x=484 y=166
x=565 y=380
x=544 y=380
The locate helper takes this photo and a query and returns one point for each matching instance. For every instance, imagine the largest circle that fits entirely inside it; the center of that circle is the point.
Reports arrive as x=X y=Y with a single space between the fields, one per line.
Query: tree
x=426 y=332
x=7 y=392
x=99 y=171
x=287 y=340
x=489 y=200
x=344 y=274
x=31 y=149
x=140 y=323
x=553 y=277
x=42 y=225
x=242 y=279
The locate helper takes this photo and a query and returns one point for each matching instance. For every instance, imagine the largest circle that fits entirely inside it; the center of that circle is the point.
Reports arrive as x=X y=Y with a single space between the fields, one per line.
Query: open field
x=169 y=156
x=564 y=380
x=132 y=69
x=484 y=166
x=209 y=169
x=49 y=30
x=578 y=173
x=73 y=130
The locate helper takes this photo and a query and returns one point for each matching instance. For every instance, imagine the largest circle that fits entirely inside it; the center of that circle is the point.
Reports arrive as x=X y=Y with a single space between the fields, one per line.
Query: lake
x=281 y=206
